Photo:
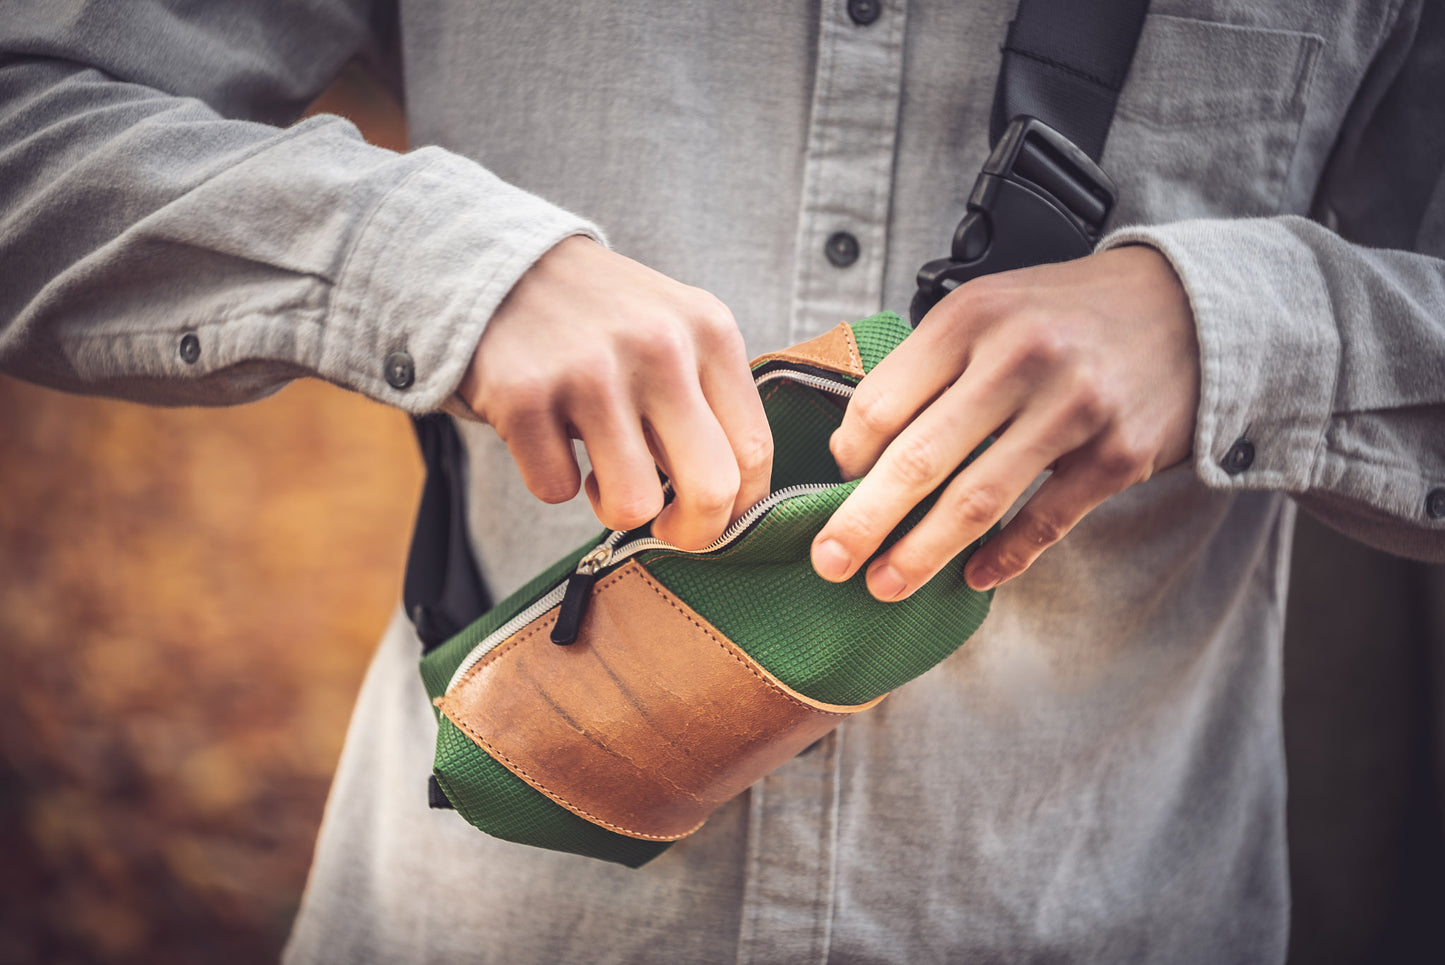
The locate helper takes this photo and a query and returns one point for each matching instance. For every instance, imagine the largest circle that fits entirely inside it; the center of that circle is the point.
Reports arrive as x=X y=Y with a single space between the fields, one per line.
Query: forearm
x=1328 y=360
x=133 y=219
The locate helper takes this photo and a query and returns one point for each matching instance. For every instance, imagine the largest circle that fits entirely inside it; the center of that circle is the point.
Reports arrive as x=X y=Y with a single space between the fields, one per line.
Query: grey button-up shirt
x=1098 y=774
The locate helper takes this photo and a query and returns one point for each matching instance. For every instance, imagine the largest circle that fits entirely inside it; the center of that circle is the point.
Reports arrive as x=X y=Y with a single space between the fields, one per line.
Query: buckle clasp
x=1038 y=199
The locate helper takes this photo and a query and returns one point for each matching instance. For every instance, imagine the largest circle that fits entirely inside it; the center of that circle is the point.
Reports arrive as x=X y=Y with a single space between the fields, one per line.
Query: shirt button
x=1239 y=457
x=841 y=249
x=190 y=348
x=1435 y=504
x=864 y=12
x=400 y=372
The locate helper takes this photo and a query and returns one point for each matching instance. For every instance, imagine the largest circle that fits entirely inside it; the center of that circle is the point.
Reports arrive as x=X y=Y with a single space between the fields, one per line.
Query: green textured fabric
x=813 y=416
x=877 y=336
x=832 y=642
x=503 y=805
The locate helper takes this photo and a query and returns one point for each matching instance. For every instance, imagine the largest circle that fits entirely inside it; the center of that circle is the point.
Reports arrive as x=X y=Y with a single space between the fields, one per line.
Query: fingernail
x=831 y=560
x=983 y=577
x=886 y=583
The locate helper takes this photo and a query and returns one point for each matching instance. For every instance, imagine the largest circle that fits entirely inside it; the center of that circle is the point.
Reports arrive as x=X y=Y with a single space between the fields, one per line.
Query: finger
x=733 y=398
x=542 y=450
x=976 y=499
x=913 y=465
x=700 y=462
x=623 y=486
x=1083 y=481
x=891 y=396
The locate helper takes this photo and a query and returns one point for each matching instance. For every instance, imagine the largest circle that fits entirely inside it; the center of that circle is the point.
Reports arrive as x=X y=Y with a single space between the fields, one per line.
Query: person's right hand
x=592 y=345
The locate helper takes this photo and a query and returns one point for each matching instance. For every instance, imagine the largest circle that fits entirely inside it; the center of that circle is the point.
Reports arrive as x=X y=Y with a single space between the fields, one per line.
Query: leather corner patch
x=835 y=350
x=647 y=724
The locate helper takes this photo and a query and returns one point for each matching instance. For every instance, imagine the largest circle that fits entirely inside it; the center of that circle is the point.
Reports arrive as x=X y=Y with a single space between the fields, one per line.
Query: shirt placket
x=848 y=168
x=787 y=913
x=842 y=232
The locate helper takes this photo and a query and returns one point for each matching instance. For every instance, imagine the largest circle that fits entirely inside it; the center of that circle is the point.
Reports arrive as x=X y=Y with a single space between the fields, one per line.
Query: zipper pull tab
x=575 y=597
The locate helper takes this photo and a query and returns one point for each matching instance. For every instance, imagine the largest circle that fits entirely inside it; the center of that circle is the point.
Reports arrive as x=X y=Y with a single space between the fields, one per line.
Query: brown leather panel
x=835 y=350
x=646 y=724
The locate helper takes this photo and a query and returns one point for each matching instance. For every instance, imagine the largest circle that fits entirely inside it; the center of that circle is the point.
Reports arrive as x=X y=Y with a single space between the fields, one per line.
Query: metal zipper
x=744 y=522
x=572 y=594
x=547 y=602
x=806 y=378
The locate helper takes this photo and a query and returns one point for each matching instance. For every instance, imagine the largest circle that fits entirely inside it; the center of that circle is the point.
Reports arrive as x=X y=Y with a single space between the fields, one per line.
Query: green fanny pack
x=686 y=676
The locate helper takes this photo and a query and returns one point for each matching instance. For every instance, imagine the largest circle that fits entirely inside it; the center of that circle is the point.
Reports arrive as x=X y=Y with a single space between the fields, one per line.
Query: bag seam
x=511 y=645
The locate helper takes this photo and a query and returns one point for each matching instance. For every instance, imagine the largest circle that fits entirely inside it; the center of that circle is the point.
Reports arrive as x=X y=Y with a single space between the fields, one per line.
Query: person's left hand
x=1089 y=367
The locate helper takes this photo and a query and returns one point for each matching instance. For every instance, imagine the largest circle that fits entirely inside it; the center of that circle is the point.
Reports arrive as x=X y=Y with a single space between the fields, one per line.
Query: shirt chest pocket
x=1208 y=120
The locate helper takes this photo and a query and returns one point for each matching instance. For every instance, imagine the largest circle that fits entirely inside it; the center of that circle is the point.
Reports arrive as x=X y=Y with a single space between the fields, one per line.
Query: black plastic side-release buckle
x=1038 y=199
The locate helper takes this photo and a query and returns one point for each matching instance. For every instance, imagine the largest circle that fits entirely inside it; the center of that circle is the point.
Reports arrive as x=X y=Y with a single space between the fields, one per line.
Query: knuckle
x=1044 y=348
x=914 y=566
x=915 y=461
x=709 y=500
x=664 y=346
x=986 y=296
x=728 y=345
x=521 y=394
x=518 y=415
x=632 y=510
x=713 y=319
x=554 y=488
x=1040 y=528
x=755 y=453
x=597 y=378
x=1089 y=405
x=1122 y=462
x=529 y=394
x=1010 y=559
x=978 y=508
x=852 y=529
x=872 y=410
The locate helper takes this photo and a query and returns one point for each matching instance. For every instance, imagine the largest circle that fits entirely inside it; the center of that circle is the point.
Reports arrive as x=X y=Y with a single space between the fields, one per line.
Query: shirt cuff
x=434 y=260
x=1269 y=350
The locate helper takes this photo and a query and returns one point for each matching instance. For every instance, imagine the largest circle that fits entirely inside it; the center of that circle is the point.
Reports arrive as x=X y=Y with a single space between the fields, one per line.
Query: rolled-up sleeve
x=1322 y=371
x=1322 y=348
x=166 y=240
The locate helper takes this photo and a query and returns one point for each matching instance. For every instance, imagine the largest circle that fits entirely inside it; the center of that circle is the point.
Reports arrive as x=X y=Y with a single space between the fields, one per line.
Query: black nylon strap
x=443 y=589
x=436 y=798
x=1064 y=62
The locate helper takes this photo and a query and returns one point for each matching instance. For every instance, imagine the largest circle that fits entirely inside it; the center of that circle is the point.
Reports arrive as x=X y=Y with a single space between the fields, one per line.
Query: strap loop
x=1041 y=196
x=1064 y=62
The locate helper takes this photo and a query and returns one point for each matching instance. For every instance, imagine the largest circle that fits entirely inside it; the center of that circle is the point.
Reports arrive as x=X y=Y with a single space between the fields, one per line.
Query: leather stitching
x=513 y=766
x=537 y=627
x=852 y=341
x=733 y=652
x=797 y=353
x=521 y=772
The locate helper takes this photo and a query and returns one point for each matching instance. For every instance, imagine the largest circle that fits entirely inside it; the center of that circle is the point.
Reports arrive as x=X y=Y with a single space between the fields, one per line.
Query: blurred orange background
x=188 y=599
